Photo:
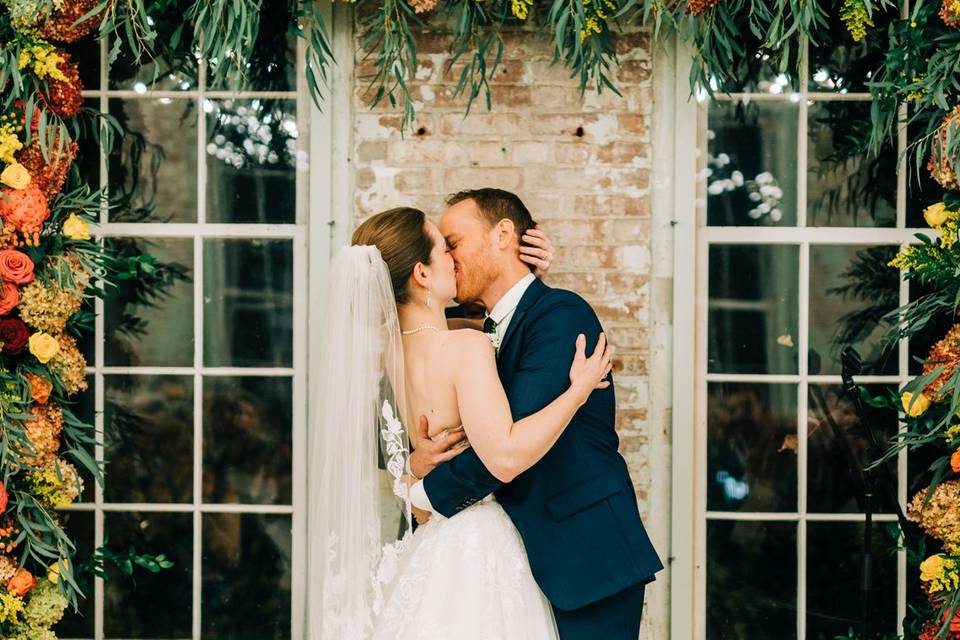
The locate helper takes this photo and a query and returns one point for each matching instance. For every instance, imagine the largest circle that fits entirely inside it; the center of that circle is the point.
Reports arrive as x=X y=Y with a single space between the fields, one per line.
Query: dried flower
x=69 y=365
x=422 y=6
x=950 y=13
x=7 y=568
x=698 y=7
x=43 y=432
x=48 y=306
x=63 y=23
x=856 y=17
x=26 y=209
x=940 y=518
x=64 y=95
x=941 y=166
x=40 y=388
x=48 y=173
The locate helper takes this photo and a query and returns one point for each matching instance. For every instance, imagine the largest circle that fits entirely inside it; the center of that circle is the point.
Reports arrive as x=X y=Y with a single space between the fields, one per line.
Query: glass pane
x=246 y=576
x=842 y=65
x=155 y=166
x=273 y=65
x=846 y=186
x=248 y=303
x=150 y=605
x=753 y=309
x=86 y=411
x=751 y=171
x=838 y=448
x=79 y=624
x=251 y=160
x=751 y=580
x=152 y=330
x=85 y=52
x=148 y=430
x=87 y=161
x=751 y=447
x=833 y=580
x=851 y=290
x=173 y=65
x=247 y=440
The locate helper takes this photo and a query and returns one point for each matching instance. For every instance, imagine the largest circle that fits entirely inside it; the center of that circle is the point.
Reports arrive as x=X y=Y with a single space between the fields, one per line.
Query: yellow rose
x=936 y=214
x=931 y=568
x=44 y=346
x=76 y=228
x=914 y=408
x=54 y=570
x=15 y=176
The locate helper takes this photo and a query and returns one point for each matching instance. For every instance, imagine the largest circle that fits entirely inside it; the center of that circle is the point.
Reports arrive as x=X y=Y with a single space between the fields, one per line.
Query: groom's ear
x=506 y=233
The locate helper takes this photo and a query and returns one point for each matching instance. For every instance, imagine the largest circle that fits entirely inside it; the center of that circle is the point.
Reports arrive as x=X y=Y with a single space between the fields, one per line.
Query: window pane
x=851 y=290
x=85 y=52
x=155 y=166
x=753 y=309
x=837 y=450
x=85 y=410
x=751 y=580
x=246 y=576
x=751 y=172
x=751 y=447
x=247 y=440
x=248 y=303
x=846 y=186
x=79 y=624
x=150 y=331
x=87 y=161
x=251 y=160
x=148 y=431
x=834 y=576
x=837 y=62
x=152 y=605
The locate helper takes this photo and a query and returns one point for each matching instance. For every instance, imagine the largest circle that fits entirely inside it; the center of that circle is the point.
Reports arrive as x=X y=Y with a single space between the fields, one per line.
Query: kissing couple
x=498 y=437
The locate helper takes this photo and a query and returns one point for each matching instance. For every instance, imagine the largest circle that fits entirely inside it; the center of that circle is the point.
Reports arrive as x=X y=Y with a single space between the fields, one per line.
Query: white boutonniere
x=495 y=341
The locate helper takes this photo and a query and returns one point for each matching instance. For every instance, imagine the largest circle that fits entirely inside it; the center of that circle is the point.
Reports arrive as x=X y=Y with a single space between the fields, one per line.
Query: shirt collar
x=511 y=298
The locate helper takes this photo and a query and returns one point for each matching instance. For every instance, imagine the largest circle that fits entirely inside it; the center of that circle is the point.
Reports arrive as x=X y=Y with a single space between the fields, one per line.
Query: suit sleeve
x=541 y=376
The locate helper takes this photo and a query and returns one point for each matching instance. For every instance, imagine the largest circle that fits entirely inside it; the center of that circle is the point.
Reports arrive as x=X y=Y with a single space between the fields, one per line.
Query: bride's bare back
x=429 y=357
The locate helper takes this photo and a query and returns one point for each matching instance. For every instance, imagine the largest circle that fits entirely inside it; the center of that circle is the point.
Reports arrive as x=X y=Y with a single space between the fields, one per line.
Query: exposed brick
x=413 y=180
x=510 y=178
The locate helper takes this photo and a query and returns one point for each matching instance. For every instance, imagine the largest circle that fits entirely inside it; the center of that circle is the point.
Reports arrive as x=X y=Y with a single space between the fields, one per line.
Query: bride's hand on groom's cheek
x=428 y=454
x=537 y=250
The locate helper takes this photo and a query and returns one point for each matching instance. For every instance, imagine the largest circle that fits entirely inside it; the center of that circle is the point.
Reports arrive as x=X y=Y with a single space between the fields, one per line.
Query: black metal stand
x=851 y=366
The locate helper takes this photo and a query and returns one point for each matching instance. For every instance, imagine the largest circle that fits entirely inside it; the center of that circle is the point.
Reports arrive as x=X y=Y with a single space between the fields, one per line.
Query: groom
x=575 y=509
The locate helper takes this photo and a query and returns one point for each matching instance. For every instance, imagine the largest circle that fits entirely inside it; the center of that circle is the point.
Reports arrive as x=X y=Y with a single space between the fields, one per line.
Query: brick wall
x=581 y=164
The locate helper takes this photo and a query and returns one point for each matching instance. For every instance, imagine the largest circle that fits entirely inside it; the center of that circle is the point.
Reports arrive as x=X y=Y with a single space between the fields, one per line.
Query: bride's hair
x=401 y=236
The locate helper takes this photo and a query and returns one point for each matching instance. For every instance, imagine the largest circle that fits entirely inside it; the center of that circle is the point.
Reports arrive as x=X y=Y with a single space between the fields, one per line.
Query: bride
x=387 y=356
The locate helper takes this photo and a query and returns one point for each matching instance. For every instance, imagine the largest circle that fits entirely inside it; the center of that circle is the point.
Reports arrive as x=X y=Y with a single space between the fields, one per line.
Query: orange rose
x=15 y=266
x=21 y=583
x=4 y=498
x=40 y=389
x=955 y=461
x=26 y=209
x=9 y=298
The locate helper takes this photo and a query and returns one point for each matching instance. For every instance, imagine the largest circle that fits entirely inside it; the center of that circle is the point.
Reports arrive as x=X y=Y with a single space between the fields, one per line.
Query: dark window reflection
x=851 y=290
x=838 y=447
x=751 y=580
x=751 y=170
x=246 y=576
x=834 y=576
x=152 y=605
x=751 y=447
x=847 y=186
x=752 y=322
x=247 y=439
x=79 y=624
x=841 y=65
x=148 y=423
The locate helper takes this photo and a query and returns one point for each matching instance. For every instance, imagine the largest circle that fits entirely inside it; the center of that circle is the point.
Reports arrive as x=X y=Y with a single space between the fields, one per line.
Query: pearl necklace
x=422 y=327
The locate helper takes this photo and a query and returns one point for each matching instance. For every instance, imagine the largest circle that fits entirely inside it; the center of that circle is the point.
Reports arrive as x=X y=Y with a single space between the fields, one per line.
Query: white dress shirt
x=502 y=314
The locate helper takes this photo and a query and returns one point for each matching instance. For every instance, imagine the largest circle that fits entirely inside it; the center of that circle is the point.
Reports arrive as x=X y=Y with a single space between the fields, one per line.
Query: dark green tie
x=489 y=326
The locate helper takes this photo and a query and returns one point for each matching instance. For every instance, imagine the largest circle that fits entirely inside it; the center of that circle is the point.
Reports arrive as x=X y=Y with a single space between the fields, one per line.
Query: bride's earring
x=429 y=293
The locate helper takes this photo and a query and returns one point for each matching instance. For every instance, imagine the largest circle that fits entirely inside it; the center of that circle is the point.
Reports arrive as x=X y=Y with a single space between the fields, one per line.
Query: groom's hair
x=497 y=204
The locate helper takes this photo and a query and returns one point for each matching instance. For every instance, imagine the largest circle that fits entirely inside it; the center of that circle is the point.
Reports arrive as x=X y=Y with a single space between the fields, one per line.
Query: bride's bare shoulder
x=468 y=343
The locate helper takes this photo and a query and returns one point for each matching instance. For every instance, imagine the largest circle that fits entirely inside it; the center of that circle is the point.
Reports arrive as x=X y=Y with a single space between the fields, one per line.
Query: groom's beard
x=471 y=283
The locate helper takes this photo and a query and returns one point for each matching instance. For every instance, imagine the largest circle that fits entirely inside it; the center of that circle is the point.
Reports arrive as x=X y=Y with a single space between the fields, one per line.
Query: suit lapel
x=507 y=359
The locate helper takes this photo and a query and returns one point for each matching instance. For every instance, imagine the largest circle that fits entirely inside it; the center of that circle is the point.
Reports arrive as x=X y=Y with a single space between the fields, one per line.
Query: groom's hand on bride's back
x=428 y=454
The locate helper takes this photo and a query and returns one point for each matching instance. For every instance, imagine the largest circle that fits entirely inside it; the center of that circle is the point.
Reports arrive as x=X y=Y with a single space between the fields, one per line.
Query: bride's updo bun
x=401 y=236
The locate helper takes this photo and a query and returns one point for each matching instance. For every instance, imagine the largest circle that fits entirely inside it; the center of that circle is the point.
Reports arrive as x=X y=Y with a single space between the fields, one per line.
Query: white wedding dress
x=462 y=578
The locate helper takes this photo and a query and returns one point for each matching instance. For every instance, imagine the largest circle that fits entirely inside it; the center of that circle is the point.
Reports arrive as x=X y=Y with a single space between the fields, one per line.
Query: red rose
x=14 y=334
x=15 y=266
x=9 y=298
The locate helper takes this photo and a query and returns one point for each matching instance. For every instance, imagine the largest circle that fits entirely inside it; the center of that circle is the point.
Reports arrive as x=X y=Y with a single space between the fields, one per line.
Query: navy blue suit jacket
x=575 y=509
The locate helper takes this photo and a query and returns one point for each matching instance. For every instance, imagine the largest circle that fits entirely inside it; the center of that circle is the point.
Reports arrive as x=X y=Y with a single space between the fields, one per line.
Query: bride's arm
x=509 y=448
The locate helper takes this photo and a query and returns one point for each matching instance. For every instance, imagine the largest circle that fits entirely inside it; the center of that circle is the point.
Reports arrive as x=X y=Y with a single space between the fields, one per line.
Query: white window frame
x=689 y=429
x=313 y=186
